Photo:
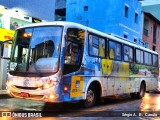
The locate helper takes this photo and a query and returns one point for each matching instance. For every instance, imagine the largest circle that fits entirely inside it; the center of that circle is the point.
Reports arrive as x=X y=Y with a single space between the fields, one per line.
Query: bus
x=67 y=62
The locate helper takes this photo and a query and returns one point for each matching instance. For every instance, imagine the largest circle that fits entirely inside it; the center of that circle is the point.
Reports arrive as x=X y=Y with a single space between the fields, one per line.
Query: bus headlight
x=9 y=83
x=48 y=84
x=45 y=86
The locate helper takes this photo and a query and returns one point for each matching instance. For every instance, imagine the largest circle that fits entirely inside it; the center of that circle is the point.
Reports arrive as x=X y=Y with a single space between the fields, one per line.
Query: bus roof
x=71 y=24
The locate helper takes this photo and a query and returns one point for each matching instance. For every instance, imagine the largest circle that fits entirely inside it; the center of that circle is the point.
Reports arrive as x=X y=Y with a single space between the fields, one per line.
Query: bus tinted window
x=147 y=58
x=139 y=56
x=74 y=46
x=96 y=46
x=155 y=60
x=115 y=50
x=128 y=53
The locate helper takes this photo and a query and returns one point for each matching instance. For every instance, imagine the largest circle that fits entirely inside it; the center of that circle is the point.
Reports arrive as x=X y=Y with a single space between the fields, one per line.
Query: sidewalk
x=3 y=92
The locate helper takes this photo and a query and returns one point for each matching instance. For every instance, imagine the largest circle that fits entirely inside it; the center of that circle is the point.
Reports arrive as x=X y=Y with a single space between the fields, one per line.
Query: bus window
x=96 y=46
x=139 y=56
x=155 y=60
x=102 y=47
x=147 y=58
x=73 y=50
x=115 y=50
x=93 y=45
x=128 y=53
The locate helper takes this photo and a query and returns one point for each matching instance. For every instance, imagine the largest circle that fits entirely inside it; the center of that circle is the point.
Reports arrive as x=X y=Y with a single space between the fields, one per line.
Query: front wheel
x=90 y=98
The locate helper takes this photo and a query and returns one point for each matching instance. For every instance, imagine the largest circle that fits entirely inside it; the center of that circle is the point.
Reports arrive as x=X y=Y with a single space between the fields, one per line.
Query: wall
x=107 y=16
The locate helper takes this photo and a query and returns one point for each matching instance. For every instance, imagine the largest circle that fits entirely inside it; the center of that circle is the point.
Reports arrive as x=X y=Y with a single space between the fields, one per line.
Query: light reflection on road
x=150 y=103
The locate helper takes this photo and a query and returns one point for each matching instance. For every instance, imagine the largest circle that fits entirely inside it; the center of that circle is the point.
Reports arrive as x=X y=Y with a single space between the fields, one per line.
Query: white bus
x=65 y=62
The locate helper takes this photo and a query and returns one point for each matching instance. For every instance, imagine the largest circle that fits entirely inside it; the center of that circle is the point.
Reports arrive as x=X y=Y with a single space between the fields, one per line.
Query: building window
x=146 y=45
x=85 y=8
x=146 y=27
x=151 y=30
x=154 y=48
x=125 y=36
x=154 y=33
x=135 y=40
x=126 y=11
x=136 y=18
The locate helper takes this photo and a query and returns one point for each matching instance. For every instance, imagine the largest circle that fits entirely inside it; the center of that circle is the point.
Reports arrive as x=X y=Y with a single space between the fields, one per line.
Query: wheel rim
x=90 y=96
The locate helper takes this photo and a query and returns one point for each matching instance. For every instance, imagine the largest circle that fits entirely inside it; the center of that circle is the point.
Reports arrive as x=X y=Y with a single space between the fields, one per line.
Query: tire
x=133 y=95
x=142 y=91
x=90 y=98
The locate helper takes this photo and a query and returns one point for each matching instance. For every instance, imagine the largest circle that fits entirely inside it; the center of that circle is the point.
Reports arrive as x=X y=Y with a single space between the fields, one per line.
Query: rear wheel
x=90 y=98
x=142 y=91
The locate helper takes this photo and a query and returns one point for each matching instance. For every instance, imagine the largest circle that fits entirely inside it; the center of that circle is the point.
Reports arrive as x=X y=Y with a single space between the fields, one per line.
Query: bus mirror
x=5 y=50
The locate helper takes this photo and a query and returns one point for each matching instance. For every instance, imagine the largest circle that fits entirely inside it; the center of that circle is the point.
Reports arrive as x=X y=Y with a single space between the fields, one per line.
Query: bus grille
x=26 y=88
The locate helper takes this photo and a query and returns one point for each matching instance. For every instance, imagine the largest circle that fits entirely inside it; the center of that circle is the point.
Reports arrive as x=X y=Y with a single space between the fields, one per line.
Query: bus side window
x=115 y=50
x=139 y=56
x=111 y=53
x=96 y=46
x=128 y=53
x=101 y=47
x=155 y=60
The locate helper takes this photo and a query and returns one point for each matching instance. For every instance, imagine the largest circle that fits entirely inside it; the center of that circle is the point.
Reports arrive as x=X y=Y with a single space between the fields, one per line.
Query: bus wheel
x=142 y=91
x=90 y=98
x=133 y=95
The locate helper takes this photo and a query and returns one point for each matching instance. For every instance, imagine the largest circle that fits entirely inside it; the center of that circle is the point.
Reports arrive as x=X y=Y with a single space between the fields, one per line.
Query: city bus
x=67 y=62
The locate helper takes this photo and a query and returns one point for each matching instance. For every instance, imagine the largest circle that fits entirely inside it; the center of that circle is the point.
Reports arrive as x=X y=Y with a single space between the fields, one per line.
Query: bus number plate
x=24 y=94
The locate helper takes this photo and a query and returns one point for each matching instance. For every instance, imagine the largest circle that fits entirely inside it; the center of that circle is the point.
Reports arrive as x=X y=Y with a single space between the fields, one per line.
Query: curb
x=3 y=92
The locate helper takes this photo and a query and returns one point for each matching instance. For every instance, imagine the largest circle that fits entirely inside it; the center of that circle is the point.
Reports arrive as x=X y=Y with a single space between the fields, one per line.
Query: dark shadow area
x=4 y=96
x=62 y=109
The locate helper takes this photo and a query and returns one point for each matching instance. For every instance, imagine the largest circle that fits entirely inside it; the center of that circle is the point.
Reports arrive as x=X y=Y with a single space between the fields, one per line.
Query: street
x=120 y=106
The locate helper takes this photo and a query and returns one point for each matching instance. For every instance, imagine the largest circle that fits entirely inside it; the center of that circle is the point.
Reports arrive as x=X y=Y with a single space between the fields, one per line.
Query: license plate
x=24 y=94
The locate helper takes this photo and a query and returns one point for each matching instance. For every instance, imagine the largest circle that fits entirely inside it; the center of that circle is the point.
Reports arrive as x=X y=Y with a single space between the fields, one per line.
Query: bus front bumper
x=48 y=95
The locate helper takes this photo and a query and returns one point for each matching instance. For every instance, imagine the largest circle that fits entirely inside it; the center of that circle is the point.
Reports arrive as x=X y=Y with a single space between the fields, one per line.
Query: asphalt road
x=119 y=107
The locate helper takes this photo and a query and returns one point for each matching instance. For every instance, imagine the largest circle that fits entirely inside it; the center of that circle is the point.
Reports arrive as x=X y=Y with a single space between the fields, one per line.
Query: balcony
x=145 y=32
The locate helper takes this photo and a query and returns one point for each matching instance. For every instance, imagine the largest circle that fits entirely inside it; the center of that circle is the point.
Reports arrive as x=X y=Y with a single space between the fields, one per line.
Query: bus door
x=5 y=50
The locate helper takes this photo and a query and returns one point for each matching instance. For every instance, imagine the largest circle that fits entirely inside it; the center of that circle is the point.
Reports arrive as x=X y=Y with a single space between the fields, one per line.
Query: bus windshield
x=36 y=50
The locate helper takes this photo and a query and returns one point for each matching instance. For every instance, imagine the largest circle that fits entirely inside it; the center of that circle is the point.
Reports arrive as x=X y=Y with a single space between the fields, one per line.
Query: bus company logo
x=26 y=82
x=6 y=114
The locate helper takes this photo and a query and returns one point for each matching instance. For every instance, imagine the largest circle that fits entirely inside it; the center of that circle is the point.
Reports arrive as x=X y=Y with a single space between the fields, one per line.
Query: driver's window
x=73 y=49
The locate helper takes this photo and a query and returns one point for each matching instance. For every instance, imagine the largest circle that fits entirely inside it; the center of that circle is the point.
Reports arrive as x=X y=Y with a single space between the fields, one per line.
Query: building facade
x=123 y=18
x=60 y=10
x=151 y=32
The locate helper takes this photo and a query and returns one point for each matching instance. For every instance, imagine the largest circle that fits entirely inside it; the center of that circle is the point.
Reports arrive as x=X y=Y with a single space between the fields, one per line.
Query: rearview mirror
x=5 y=49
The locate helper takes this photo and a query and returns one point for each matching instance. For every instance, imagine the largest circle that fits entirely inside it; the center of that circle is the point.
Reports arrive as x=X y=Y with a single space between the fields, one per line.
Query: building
x=151 y=32
x=151 y=27
x=123 y=18
x=41 y=9
x=60 y=10
x=152 y=9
